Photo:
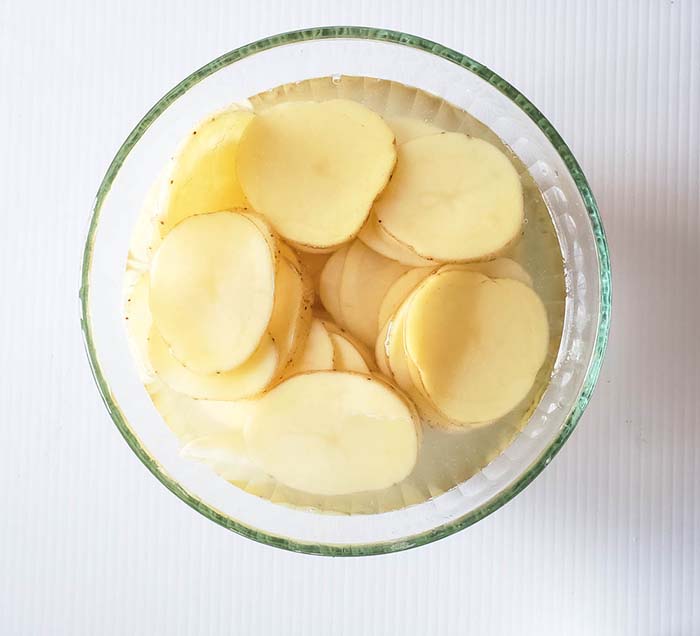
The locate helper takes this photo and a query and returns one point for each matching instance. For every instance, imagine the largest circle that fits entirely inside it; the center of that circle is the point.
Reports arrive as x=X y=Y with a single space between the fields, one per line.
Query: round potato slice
x=397 y=361
x=247 y=380
x=365 y=280
x=399 y=291
x=347 y=357
x=381 y=354
x=497 y=268
x=374 y=237
x=291 y=315
x=314 y=169
x=329 y=284
x=189 y=418
x=364 y=352
x=314 y=264
x=452 y=198
x=203 y=174
x=137 y=318
x=477 y=343
x=334 y=433
x=317 y=354
x=407 y=128
x=226 y=453
x=212 y=290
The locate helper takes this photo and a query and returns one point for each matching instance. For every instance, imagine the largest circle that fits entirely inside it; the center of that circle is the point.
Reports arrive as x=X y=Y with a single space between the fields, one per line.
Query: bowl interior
x=432 y=68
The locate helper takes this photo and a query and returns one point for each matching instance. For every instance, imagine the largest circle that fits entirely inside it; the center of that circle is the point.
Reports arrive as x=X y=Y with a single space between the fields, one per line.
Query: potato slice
x=317 y=354
x=397 y=362
x=334 y=433
x=365 y=280
x=189 y=418
x=407 y=128
x=277 y=247
x=314 y=169
x=452 y=198
x=247 y=380
x=137 y=318
x=403 y=286
x=497 y=268
x=291 y=317
x=226 y=453
x=314 y=264
x=399 y=291
x=374 y=237
x=329 y=284
x=364 y=352
x=203 y=174
x=477 y=343
x=212 y=290
x=346 y=356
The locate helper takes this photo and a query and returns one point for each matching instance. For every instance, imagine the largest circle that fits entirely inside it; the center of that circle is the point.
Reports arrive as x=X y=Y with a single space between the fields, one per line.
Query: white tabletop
x=605 y=541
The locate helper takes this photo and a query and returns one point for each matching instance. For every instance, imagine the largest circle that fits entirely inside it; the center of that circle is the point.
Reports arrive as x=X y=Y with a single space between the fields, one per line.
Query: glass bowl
x=417 y=62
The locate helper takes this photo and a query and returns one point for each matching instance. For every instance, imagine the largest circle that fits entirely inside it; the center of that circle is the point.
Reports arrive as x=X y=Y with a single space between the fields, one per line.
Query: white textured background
x=605 y=541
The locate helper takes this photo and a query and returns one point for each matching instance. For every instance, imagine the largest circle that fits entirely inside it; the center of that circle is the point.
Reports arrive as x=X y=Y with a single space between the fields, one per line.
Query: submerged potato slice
x=247 y=380
x=314 y=169
x=317 y=354
x=397 y=362
x=137 y=318
x=329 y=284
x=377 y=239
x=334 y=433
x=291 y=315
x=190 y=418
x=497 y=268
x=212 y=290
x=226 y=453
x=203 y=175
x=407 y=128
x=399 y=291
x=346 y=356
x=452 y=198
x=314 y=264
x=364 y=352
x=365 y=280
x=477 y=343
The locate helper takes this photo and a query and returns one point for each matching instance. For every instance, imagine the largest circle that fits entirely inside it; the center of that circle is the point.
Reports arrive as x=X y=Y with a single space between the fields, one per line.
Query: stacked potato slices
x=322 y=280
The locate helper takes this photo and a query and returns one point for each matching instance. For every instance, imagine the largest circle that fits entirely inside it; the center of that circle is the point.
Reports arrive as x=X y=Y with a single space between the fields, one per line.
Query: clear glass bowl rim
x=467 y=63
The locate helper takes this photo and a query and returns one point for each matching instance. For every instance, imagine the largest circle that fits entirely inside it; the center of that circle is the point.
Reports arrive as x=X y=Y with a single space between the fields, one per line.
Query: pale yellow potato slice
x=407 y=128
x=452 y=198
x=334 y=433
x=317 y=354
x=477 y=343
x=365 y=280
x=212 y=290
x=189 y=418
x=145 y=237
x=226 y=453
x=249 y=379
x=401 y=373
x=203 y=174
x=291 y=315
x=314 y=264
x=137 y=319
x=497 y=268
x=329 y=284
x=381 y=355
x=364 y=351
x=314 y=169
x=400 y=290
x=277 y=248
x=346 y=356
x=377 y=239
